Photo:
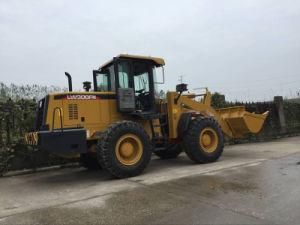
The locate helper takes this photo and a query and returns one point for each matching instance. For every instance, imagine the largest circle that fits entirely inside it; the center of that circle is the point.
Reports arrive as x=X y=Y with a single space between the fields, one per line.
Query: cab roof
x=156 y=60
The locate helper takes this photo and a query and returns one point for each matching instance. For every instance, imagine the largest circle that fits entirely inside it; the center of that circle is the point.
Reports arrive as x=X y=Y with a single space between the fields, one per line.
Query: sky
x=248 y=50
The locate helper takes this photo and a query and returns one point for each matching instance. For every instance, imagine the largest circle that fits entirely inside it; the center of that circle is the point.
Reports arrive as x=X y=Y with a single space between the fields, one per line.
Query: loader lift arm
x=234 y=121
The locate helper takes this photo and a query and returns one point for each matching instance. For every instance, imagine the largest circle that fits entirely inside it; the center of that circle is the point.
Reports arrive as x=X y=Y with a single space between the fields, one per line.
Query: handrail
x=60 y=115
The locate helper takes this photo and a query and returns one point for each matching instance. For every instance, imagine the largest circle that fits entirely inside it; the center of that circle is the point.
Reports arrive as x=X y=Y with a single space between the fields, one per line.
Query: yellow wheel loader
x=119 y=124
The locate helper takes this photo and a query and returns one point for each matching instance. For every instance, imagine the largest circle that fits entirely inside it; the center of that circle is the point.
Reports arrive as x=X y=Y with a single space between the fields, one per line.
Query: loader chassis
x=119 y=124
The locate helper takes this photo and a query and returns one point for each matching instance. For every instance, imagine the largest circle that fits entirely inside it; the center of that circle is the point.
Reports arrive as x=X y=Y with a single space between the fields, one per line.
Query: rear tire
x=204 y=142
x=170 y=152
x=125 y=149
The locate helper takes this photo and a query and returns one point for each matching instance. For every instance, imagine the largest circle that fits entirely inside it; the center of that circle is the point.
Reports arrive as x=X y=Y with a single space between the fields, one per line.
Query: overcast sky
x=246 y=49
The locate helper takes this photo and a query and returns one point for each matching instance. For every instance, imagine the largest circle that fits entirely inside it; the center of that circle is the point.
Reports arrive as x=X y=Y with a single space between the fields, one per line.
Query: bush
x=16 y=118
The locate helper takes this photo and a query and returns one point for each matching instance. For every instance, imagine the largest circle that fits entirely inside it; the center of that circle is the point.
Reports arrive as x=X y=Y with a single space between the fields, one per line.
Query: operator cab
x=132 y=78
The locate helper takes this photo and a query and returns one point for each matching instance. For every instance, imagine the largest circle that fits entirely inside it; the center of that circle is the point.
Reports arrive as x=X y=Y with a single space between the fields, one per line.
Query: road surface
x=255 y=183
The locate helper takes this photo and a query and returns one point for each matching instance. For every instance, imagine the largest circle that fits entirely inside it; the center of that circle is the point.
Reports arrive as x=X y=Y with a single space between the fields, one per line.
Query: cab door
x=143 y=85
x=135 y=87
x=124 y=84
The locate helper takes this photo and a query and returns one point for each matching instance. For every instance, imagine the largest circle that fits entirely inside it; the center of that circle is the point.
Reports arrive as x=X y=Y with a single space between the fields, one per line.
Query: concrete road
x=251 y=184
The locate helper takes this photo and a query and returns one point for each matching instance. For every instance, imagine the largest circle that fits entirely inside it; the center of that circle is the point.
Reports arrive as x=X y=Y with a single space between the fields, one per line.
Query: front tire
x=204 y=142
x=124 y=150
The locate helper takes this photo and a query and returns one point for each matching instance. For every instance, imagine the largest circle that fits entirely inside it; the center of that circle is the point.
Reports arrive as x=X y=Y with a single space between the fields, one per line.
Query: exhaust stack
x=69 y=81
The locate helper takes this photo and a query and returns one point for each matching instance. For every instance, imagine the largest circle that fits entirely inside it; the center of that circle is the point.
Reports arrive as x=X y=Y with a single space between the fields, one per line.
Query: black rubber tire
x=191 y=140
x=171 y=152
x=89 y=162
x=106 y=149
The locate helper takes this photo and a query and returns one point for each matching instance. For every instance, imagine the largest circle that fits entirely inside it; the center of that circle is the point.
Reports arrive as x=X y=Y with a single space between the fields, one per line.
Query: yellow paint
x=31 y=138
x=98 y=114
x=234 y=121
x=208 y=140
x=94 y=115
x=129 y=149
x=242 y=122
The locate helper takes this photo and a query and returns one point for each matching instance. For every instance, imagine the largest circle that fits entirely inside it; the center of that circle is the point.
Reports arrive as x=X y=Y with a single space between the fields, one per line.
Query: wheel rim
x=129 y=149
x=209 y=140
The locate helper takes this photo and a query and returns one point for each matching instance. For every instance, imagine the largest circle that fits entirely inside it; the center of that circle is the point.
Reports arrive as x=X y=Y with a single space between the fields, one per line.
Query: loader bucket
x=242 y=122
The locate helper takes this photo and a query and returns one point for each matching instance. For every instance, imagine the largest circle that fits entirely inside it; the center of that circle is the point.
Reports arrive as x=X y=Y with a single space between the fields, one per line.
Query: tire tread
x=191 y=140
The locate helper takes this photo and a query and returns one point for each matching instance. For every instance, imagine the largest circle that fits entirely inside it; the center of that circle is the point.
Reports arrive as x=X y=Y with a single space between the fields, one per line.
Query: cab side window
x=102 y=81
x=105 y=79
x=123 y=73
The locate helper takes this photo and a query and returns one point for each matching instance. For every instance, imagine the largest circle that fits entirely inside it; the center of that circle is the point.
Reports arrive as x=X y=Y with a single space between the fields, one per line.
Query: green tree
x=218 y=100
